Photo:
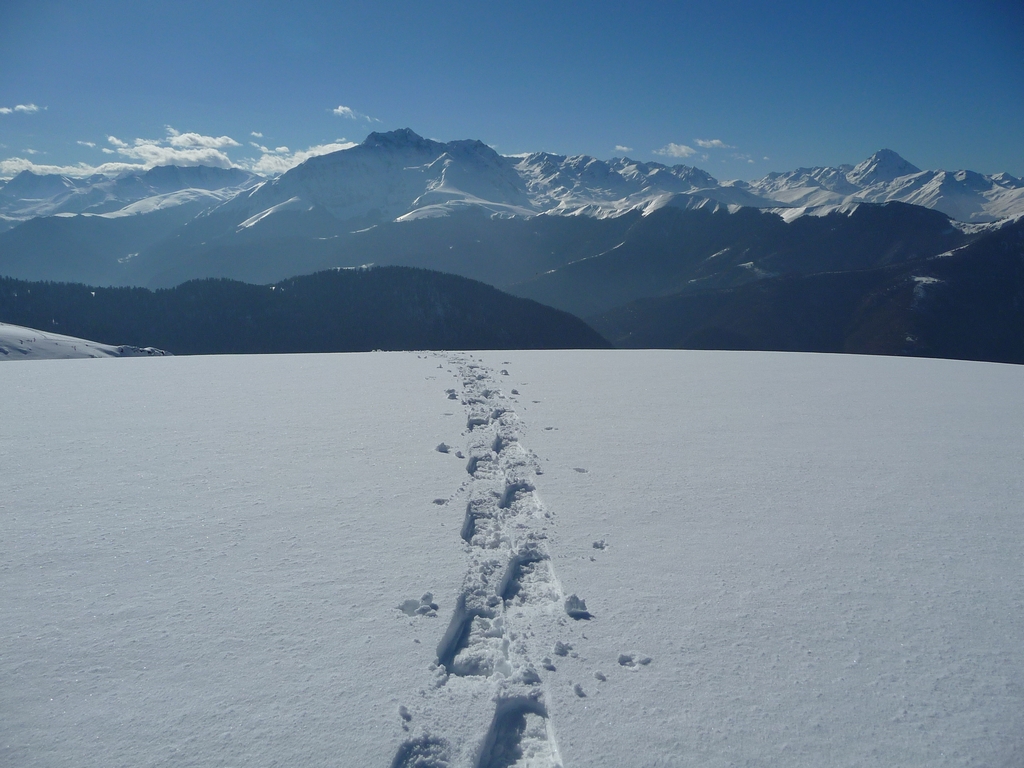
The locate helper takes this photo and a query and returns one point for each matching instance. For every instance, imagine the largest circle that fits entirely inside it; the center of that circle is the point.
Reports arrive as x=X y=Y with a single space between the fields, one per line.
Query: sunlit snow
x=609 y=558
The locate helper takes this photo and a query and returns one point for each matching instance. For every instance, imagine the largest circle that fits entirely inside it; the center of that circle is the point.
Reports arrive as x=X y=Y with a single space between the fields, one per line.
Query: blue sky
x=736 y=88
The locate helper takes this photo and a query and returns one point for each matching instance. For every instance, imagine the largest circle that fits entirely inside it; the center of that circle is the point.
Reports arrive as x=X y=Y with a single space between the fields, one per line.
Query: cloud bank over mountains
x=185 y=149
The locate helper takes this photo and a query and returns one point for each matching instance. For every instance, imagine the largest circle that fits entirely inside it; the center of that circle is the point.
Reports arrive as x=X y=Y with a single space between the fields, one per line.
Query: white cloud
x=621 y=148
x=713 y=144
x=27 y=109
x=187 y=140
x=15 y=165
x=185 y=149
x=151 y=154
x=177 y=148
x=32 y=151
x=277 y=161
x=351 y=114
x=257 y=134
x=676 y=150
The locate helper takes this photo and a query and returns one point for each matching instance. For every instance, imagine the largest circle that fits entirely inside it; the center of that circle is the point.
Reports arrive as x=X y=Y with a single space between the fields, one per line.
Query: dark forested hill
x=388 y=308
x=966 y=304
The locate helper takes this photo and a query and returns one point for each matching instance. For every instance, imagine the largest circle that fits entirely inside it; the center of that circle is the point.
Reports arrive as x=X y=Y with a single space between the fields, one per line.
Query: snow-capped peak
x=883 y=166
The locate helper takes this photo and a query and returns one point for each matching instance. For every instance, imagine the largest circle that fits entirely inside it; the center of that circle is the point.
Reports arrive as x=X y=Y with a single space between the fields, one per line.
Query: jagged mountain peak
x=398 y=139
x=883 y=166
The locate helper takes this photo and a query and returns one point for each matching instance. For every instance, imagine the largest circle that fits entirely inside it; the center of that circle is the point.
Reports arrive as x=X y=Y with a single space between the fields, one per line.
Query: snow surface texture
x=18 y=343
x=606 y=558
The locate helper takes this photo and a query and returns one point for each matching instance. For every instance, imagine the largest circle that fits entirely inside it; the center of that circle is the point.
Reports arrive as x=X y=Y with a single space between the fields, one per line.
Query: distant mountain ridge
x=401 y=176
x=886 y=177
x=29 y=195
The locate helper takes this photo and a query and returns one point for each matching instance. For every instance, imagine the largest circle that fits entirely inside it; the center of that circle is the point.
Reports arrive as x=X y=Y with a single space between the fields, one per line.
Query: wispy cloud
x=676 y=150
x=621 y=148
x=276 y=161
x=257 y=134
x=27 y=109
x=89 y=144
x=713 y=144
x=351 y=114
x=31 y=151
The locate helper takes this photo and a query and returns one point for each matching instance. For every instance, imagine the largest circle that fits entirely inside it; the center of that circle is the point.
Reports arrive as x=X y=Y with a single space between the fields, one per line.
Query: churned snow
x=614 y=558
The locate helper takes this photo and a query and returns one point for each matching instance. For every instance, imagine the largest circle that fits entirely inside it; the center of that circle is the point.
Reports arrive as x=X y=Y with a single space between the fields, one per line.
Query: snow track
x=488 y=651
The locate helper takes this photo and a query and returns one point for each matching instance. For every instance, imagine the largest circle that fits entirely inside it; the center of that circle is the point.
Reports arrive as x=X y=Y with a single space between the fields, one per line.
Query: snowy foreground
x=18 y=343
x=599 y=559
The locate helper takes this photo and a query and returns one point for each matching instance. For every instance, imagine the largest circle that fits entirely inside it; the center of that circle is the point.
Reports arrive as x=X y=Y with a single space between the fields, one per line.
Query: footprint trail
x=488 y=654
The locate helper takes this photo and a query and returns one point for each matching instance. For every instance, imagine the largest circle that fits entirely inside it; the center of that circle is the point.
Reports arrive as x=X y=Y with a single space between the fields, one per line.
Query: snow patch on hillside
x=19 y=343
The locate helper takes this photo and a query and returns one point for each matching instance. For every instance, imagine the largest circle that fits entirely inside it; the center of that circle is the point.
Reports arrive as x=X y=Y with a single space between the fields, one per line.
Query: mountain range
x=587 y=236
x=399 y=175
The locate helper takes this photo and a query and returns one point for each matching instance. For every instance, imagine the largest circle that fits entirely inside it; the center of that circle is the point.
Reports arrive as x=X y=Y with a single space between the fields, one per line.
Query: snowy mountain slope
x=583 y=185
x=400 y=176
x=18 y=343
x=29 y=195
x=783 y=558
x=388 y=176
x=885 y=176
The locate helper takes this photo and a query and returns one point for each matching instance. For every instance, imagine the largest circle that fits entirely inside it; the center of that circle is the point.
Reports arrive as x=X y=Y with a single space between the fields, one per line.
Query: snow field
x=474 y=560
x=202 y=562
x=820 y=554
